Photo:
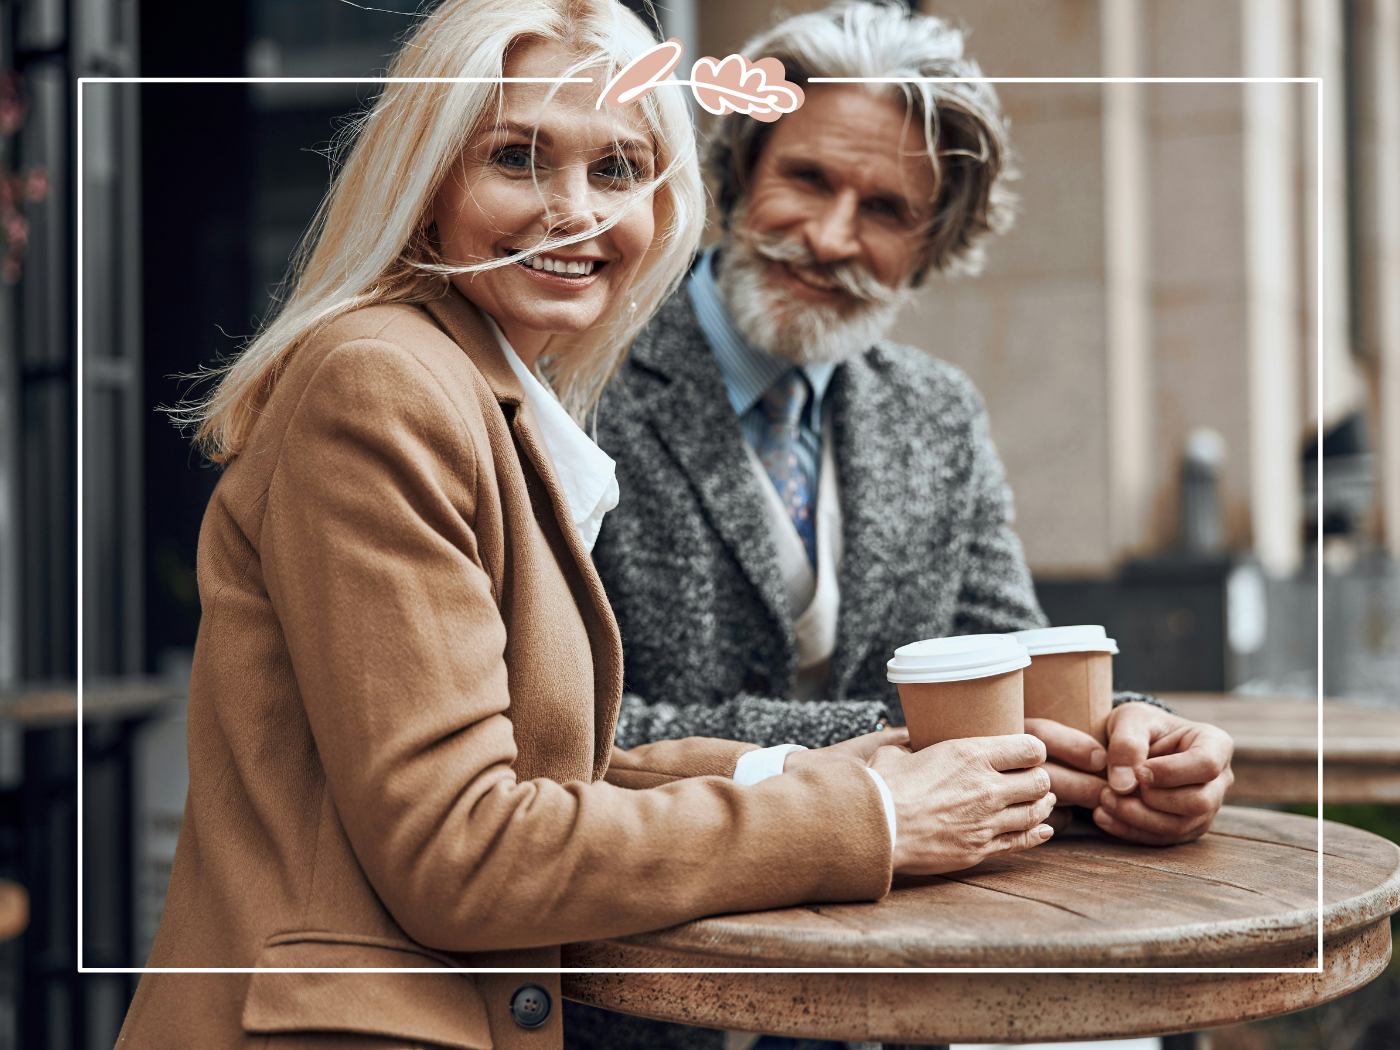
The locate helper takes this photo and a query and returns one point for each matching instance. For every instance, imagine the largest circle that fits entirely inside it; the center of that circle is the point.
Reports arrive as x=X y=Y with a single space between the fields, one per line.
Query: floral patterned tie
x=777 y=449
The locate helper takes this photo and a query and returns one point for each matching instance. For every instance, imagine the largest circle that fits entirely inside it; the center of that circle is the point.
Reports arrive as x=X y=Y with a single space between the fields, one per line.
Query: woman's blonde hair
x=369 y=241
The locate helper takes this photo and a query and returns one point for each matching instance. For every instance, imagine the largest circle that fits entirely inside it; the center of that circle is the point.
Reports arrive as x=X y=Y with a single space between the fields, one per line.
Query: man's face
x=833 y=227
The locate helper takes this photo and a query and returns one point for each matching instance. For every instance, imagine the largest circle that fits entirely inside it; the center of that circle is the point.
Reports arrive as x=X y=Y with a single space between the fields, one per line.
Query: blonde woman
x=407 y=674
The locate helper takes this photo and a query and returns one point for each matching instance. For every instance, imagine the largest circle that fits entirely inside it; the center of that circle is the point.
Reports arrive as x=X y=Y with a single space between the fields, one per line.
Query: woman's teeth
x=540 y=262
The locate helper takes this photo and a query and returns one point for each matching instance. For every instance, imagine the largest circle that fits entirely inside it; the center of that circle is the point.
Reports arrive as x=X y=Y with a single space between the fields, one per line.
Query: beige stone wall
x=1030 y=330
x=1199 y=281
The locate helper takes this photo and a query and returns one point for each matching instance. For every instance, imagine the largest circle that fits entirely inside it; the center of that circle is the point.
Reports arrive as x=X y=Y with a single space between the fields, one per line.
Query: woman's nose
x=572 y=202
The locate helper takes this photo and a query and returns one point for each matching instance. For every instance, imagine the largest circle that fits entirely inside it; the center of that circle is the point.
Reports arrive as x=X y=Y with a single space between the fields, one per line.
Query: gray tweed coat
x=692 y=571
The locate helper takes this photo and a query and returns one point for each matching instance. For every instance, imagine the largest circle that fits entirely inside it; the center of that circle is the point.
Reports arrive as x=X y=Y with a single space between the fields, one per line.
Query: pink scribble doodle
x=760 y=89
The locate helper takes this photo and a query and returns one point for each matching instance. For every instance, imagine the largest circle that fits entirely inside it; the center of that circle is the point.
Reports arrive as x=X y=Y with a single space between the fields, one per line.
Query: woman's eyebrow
x=636 y=145
x=529 y=131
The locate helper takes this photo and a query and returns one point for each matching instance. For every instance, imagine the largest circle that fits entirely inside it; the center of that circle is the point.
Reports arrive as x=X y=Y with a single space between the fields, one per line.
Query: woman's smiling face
x=557 y=169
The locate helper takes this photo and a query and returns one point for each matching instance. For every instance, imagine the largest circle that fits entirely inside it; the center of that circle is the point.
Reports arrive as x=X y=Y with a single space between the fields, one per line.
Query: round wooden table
x=1244 y=895
x=1276 y=746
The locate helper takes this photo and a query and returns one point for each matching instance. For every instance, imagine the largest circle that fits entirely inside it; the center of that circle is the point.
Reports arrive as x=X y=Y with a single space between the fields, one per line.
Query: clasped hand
x=1166 y=776
x=962 y=801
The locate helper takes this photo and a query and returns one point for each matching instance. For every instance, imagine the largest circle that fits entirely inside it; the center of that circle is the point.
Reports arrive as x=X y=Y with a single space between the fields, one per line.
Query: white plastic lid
x=1085 y=638
x=957 y=659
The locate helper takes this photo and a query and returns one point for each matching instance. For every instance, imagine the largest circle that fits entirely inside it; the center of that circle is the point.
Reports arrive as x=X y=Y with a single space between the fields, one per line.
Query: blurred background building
x=1146 y=339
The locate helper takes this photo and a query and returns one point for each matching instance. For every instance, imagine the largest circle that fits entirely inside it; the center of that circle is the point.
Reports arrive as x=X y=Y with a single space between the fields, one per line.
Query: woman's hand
x=860 y=747
x=961 y=801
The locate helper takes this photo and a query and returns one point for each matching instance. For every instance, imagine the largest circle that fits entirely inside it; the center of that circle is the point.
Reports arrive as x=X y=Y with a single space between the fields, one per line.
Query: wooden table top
x=1276 y=746
x=1244 y=895
x=1082 y=899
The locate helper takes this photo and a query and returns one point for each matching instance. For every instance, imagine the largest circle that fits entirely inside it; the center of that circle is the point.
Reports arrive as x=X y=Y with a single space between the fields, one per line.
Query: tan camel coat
x=400 y=724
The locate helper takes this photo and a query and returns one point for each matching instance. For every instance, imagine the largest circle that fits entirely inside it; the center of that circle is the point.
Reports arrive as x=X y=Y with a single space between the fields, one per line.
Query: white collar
x=586 y=473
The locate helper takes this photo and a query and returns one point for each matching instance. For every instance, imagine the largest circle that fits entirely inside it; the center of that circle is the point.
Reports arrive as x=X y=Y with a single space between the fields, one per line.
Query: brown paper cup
x=937 y=711
x=1073 y=688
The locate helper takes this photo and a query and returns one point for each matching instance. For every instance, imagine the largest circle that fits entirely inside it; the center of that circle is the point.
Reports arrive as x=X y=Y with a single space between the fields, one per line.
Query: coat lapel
x=887 y=488
x=464 y=324
x=694 y=420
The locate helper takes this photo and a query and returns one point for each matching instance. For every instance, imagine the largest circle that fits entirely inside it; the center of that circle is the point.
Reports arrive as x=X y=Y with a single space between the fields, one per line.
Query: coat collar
x=465 y=326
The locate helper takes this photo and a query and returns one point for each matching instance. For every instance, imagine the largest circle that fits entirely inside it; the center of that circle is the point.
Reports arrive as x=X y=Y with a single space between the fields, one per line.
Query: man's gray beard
x=791 y=328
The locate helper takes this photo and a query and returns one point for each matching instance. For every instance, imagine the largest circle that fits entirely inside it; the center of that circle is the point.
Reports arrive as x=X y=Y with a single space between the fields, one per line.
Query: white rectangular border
x=78 y=344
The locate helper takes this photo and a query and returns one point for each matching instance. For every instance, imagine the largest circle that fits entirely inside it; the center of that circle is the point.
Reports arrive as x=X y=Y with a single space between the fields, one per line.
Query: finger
x=1071 y=746
x=1074 y=788
x=1025 y=816
x=1016 y=841
x=1130 y=810
x=1193 y=801
x=864 y=747
x=1023 y=785
x=1111 y=824
x=1059 y=818
x=1129 y=736
x=1204 y=759
x=1016 y=751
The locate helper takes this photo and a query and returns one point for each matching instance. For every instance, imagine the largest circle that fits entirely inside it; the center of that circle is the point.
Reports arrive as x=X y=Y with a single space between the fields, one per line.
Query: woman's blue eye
x=620 y=169
x=517 y=159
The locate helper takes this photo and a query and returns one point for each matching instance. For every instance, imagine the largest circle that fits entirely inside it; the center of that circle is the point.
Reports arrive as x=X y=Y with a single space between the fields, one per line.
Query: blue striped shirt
x=749 y=372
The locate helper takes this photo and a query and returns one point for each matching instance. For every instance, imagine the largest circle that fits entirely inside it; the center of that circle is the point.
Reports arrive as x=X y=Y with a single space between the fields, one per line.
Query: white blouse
x=586 y=473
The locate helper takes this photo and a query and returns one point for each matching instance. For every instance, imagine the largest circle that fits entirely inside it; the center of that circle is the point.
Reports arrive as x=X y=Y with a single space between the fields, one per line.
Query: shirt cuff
x=766 y=762
x=887 y=799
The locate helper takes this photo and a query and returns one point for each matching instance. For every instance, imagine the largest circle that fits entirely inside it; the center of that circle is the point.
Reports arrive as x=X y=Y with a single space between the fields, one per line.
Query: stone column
x=1127 y=278
x=1385 y=91
x=1271 y=254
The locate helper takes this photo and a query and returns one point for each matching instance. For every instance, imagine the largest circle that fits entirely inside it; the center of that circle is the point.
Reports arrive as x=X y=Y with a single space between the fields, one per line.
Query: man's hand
x=1165 y=776
x=959 y=802
x=862 y=748
x=1074 y=758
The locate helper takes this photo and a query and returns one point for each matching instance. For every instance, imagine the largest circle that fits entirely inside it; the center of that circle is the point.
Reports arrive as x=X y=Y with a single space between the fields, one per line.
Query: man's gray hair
x=962 y=123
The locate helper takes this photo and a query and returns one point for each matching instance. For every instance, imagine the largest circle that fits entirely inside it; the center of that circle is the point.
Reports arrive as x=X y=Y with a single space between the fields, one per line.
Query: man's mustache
x=853 y=278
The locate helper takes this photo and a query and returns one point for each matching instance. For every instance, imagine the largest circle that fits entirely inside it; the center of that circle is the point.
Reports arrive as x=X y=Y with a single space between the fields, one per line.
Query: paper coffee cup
x=958 y=687
x=1070 y=678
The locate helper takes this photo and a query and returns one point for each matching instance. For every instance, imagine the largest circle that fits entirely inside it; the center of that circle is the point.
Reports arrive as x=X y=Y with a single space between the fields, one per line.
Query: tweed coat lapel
x=888 y=485
x=694 y=420
x=461 y=320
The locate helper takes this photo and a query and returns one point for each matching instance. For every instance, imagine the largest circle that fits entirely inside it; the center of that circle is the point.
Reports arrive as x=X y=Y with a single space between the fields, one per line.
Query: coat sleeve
x=761 y=720
x=397 y=646
x=996 y=595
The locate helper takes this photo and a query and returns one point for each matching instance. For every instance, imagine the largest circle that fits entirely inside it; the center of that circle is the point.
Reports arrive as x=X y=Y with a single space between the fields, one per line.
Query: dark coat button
x=756 y=683
x=530 y=1006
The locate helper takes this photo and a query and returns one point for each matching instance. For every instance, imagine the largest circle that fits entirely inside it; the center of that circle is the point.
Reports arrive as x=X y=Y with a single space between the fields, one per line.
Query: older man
x=800 y=497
